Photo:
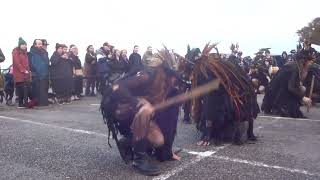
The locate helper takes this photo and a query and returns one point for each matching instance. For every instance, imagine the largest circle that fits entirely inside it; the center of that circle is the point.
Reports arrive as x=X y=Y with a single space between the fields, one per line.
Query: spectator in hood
x=62 y=74
x=21 y=74
x=2 y=57
x=77 y=72
x=90 y=67
x=39 y=62
x=147 y=57
x=135 y=64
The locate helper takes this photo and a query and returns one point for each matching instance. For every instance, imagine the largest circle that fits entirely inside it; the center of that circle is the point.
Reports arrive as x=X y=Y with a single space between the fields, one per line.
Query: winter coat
x=2 y=57
x=135 y=63
x=90 y=65
x=147 y=58
x=39 y=63
x=75 y=61
x=102 y=67
x=20 y=65
x=61 y=68
x=117 y=67
x=8 y=83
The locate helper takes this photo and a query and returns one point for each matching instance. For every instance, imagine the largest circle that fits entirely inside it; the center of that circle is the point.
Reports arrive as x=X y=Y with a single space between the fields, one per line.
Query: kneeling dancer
x=286 y=93
x=129 y=105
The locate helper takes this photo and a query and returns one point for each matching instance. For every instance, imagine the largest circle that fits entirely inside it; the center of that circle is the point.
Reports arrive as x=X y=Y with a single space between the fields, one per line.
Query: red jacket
x=20 y=66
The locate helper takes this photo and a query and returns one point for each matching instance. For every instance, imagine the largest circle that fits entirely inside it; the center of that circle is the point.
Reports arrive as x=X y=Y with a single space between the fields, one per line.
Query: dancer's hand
x=142 y=102
x=307 y=101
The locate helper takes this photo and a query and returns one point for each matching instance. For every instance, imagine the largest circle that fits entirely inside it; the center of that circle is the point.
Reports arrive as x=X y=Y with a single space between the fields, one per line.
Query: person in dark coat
x=135 y=61
x=286 y=93
x=90 y=67
x=78 y=72
x=39 y=63
x=21 y=73
x=117 y=66
x=62 y=74
x=2 y=57
x=124 y=58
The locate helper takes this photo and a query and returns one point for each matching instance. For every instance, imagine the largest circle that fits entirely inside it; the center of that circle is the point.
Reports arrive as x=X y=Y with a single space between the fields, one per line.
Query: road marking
x=287 y=118
x=54 y=126
x=260 y=164
x=95 y=104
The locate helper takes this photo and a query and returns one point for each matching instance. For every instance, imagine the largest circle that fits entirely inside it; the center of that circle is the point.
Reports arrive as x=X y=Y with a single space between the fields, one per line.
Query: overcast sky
x=253 y=23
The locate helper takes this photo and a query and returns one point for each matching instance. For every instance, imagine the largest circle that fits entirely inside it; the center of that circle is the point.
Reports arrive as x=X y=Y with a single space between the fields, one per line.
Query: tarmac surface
x=70 y=142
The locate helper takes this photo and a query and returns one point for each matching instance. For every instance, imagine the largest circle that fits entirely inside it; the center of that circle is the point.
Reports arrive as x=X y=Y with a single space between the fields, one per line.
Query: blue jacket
x=39 y=63
x=102 y=67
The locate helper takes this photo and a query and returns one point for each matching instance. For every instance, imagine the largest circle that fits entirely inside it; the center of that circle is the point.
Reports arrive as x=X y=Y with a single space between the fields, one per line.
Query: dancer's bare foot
x=176 y=157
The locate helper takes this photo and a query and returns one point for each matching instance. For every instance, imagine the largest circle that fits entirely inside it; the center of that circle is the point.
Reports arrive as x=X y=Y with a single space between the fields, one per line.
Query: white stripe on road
x=54 y=126
x=260 y=164
x=199 y=155
x=287 y=118
x=180 y=168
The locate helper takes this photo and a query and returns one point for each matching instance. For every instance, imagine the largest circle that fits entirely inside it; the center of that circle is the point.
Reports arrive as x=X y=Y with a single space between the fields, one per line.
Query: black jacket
x=75 y=61
x=135 y=64
x=61 y=68
x=90 y=66
x=2 y=57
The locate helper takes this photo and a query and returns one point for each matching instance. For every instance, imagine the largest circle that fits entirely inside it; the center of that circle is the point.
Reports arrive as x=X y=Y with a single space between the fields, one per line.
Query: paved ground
x=70 y=142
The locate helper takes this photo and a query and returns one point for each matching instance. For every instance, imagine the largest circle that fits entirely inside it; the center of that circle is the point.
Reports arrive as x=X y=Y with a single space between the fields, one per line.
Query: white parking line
x=260 y=164
x=287 y=118
x=54 y=126
x=199 y=155
x=181 y=168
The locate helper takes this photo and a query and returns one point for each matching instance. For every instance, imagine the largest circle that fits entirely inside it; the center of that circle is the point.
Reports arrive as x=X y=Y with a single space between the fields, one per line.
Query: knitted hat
x=21 y=42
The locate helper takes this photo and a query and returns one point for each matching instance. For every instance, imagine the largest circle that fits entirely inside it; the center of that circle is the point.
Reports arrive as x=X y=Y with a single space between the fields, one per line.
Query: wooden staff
x=204 y=89
x=311 y=92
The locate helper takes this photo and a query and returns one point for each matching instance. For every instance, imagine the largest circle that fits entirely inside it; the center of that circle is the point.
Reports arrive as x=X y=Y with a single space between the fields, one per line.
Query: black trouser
x=40 y=91
x=24 y=92
x=78 y=85
x=91 y=84
x=9 y=94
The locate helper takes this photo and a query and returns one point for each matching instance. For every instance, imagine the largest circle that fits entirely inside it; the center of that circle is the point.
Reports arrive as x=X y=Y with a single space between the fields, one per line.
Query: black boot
x=125 y=149
x=140 y=160
x=237 y=135
x=250 y=134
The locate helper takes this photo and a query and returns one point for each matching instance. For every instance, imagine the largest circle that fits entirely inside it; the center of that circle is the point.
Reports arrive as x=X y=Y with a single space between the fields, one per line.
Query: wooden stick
x=204 y=89
x=311 y=92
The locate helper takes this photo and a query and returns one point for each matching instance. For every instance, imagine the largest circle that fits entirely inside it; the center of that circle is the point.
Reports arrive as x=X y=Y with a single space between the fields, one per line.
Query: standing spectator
x=39 y=62
x=116 y=65
x=44 y=44
x=124 y=58
x=9 y=86
x=135 y=61
x=62 y=74
x=21 y=73
x=77 y=72
x=102 y=56
x=284 y=59
x=2 y=57
x=147 y=57
x=90 y=67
